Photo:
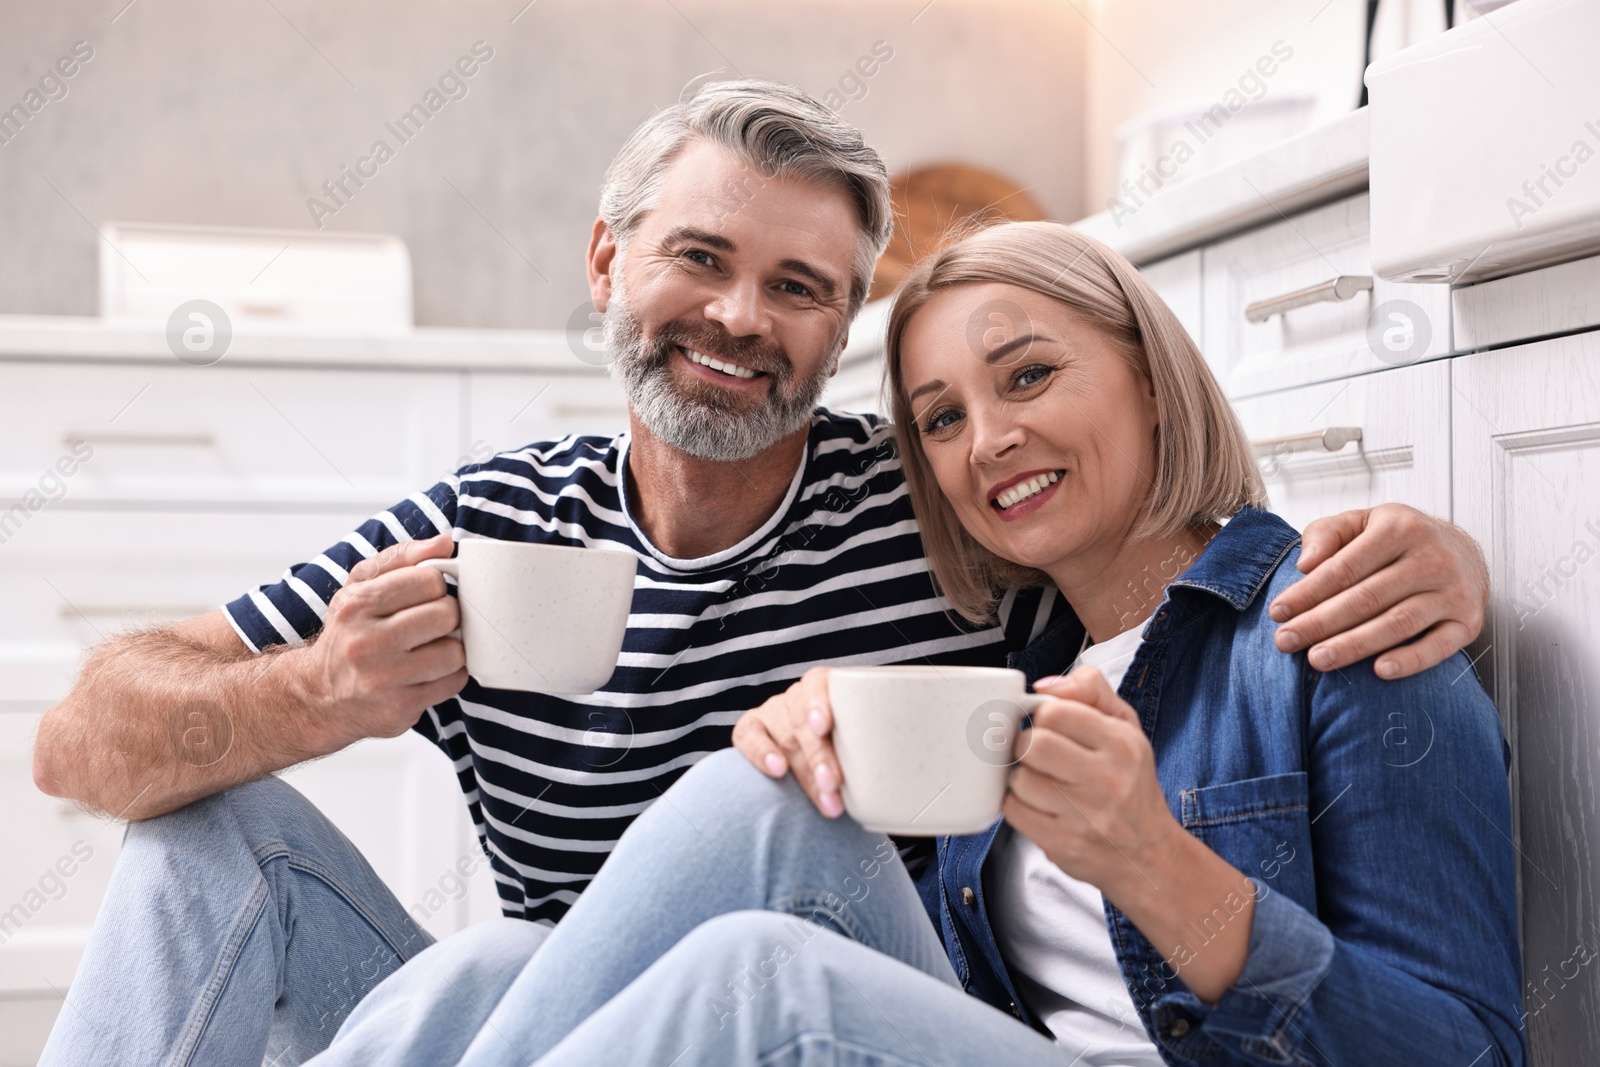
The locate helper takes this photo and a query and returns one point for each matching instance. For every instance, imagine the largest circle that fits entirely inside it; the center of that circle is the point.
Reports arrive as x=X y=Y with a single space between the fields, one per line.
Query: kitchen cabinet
x=1352 y=444
x=58 y=861
x=1526 y=428
x=201 y=483
x=1176 y=280
x=1539 y=303
x=1291 y=303
x=394 y=798
x=510 y=409
x=226 y=436
x=1491 y=419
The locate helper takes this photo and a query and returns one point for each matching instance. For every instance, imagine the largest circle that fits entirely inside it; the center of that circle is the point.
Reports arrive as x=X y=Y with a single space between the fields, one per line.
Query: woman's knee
x=750 y=946
x=726 y=783
x=498 y=947
x=782 y=965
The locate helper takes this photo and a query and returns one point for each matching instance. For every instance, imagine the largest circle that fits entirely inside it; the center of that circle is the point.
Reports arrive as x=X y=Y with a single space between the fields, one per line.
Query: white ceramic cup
x=926 y=751
x=540 y=618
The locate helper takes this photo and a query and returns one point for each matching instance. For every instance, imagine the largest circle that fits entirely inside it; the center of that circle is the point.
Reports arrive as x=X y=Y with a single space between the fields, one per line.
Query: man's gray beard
x=706 y=424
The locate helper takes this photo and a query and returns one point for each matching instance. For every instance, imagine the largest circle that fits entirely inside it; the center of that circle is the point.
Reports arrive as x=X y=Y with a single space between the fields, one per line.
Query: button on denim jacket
x=1373 y=818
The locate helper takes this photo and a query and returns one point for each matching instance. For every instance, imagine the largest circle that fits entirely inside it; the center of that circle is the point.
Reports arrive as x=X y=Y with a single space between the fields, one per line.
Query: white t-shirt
x=1051 y=929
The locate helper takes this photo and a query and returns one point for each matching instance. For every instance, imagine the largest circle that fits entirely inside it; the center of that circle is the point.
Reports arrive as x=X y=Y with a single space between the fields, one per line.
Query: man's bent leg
x=724 y=838
x=242 y=927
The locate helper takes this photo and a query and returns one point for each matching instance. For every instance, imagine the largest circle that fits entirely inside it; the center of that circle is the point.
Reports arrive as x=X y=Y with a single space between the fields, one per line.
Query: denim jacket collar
x=1233 y=568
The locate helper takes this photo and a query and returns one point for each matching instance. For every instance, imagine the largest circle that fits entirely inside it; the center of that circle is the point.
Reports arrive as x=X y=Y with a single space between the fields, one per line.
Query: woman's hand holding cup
x=1085 y=788
x=791 y=732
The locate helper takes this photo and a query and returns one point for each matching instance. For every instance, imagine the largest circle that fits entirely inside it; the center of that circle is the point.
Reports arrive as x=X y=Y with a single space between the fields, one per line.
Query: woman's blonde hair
x=1205 y=468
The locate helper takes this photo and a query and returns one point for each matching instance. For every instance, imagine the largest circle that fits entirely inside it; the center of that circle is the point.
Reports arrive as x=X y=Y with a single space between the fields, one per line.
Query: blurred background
x=234 y=114
x=231 y=327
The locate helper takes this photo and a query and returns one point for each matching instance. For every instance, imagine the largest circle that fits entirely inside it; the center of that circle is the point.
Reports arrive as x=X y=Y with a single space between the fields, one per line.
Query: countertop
x=84 y=338
x=1314 y=167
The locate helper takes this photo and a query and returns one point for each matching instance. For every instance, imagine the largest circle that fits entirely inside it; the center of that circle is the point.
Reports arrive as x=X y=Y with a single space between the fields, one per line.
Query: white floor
x=25 y=1022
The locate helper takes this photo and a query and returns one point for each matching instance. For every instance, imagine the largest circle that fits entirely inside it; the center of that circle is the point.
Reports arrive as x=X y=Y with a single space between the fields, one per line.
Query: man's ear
x=838 y=352
x=602 y=260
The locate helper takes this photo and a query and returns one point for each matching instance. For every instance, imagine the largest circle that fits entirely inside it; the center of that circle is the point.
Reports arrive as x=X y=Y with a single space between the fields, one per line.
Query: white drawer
x=1177 y=281
x=57 y=863
x=395 y=798
x=1318 y=341
x=1403 y=455
x=224 y=434
x=70 y=578
x=1540 y=303
x=508 y=410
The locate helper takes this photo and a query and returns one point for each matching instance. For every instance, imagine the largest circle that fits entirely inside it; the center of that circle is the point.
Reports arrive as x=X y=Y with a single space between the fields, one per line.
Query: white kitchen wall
x=194 y=112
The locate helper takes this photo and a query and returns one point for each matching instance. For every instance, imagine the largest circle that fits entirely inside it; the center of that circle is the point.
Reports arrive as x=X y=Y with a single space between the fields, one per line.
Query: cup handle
x=452 y=567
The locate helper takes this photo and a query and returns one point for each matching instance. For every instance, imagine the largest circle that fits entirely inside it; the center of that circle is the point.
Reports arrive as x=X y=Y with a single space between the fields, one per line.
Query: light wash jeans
x=732 y=925
x=244 y=928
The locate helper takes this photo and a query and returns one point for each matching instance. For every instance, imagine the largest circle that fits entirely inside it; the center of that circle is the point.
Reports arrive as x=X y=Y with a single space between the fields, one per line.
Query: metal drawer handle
x=1344 y=287
x=165 y=440
x=1330 y=440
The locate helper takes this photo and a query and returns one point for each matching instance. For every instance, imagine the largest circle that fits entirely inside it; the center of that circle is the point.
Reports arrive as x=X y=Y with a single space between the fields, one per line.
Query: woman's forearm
x=1195 y=908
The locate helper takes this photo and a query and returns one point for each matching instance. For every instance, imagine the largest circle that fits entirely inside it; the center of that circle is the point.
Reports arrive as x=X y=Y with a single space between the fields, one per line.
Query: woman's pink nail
x=832 y=807
x=775 y=764
x=818 y=724
x=1052 y=679
x=824 y=778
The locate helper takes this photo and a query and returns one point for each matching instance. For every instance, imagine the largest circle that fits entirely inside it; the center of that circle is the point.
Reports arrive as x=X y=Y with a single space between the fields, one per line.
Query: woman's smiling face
x=1039 y=431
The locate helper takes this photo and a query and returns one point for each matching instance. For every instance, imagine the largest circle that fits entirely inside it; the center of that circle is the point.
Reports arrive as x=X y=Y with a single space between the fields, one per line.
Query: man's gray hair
x=781 y=133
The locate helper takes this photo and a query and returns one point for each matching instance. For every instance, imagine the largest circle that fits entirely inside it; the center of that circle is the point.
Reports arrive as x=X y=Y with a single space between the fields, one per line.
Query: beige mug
x=926 y=751
x=540 y=618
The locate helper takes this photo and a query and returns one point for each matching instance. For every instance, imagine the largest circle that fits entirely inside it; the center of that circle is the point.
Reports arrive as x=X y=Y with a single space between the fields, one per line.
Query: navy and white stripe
x=836 y=576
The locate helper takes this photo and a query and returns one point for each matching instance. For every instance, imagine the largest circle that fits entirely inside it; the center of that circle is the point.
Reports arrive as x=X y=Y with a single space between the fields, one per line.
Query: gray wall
x=205 y=112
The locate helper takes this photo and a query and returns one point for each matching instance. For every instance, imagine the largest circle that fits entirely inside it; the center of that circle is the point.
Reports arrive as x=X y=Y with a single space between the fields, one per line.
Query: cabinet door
x=511 y=409
x=1403 y=454
x=1527 y=485
x=396 y=799
x=58 y=860
x=1177 y=281
x=71 y=578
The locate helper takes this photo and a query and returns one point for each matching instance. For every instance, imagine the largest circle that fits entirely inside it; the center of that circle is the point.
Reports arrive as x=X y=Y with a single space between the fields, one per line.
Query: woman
x=1210 y=853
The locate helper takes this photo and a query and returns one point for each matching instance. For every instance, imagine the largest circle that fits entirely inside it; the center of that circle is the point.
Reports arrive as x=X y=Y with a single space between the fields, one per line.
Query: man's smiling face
x=727 y=312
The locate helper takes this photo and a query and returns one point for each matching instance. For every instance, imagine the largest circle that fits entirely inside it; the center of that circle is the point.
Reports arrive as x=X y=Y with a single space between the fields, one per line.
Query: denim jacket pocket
x=1262 y=827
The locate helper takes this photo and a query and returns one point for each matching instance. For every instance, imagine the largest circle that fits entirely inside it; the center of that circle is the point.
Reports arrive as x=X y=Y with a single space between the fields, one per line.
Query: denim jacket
x=1372 y=817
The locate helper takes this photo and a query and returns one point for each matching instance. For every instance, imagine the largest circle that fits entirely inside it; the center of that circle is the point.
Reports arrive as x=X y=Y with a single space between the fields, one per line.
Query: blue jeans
x=245 y=928
x=732 y=925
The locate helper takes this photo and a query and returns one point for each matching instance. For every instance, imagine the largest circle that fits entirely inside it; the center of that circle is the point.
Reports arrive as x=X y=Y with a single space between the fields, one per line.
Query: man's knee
x=246 y=813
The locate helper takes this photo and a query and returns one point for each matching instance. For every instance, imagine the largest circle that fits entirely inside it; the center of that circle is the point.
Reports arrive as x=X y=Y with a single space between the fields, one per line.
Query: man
x=735 y=243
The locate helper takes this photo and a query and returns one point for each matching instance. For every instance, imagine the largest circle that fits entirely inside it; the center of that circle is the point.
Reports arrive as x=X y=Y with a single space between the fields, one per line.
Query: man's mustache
x=769 y=359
